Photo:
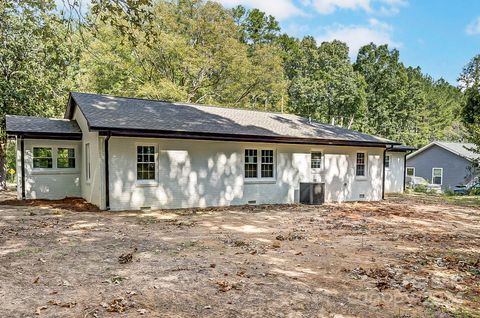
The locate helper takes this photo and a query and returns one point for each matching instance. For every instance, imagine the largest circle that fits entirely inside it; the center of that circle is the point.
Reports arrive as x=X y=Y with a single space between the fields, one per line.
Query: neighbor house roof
x=38 y=127
x=123 y=116
x=458 y=148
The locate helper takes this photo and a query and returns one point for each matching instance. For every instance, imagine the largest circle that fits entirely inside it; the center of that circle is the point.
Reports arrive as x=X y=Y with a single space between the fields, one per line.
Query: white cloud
x=383 y=7
x=280 y=9
x=284 y=9
x=330 y=6
x=391 y=7
x=474 y=27
x=357 y=36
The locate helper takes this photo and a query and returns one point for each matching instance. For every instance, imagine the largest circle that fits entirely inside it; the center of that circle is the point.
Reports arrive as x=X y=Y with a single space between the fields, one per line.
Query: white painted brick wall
x=394 y=174
x=49 y=183
x=210 y=173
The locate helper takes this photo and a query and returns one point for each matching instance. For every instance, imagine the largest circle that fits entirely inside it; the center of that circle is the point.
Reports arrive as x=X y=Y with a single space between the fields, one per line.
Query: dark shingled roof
x=134 y=115
x=29 y=126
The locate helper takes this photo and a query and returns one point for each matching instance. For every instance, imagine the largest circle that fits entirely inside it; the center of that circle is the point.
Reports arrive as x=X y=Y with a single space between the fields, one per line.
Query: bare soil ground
x=404 y=257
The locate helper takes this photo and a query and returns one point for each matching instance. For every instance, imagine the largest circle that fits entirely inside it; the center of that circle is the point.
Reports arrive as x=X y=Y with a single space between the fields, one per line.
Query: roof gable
x=113 y=113
x=457 y=148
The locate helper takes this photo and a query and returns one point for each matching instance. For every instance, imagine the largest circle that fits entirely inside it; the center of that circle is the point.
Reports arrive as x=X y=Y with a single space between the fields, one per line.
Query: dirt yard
x=400 y=258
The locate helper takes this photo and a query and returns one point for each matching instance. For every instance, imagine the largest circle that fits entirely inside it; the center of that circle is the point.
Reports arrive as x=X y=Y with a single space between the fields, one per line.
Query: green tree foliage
x=255 y=26
x=195 y=55
x=470 y=76
x=402 y=103
x=470 y=80
x=386 y=87
x=324 y=84
x=198 y=51
x=35 y=63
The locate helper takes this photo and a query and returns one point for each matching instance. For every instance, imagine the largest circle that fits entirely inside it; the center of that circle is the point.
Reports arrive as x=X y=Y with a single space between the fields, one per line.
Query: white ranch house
x=127 y=153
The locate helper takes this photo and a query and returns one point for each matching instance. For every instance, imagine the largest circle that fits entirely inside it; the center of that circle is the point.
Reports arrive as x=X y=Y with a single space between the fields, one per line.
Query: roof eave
x=103 y=131
x=45 y=135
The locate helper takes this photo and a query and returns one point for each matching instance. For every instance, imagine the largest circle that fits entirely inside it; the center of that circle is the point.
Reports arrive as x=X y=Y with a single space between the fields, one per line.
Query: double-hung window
x=251 y=165
x=53 y=158
x=146 y=163
x=410 y=171
x=65 y=158
x=437 y=176
x=316 y=160
x=42 y=158
x=361 y=166
x=259 y=168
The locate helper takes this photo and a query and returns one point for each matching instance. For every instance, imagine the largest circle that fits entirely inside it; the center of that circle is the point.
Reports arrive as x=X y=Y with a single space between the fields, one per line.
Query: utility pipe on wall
x=383 y=174
x=22 y=159
x=107 y=177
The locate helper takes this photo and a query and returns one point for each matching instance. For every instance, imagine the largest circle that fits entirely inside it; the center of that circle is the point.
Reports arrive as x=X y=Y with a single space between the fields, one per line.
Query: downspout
x=404 y=171
x=22 y=160
x=383 y=174
x=107 y=178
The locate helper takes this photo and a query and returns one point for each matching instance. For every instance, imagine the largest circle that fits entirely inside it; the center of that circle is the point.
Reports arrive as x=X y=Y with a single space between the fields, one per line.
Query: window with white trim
x=65 y=158
x=316 y=160
x=437 y=176
x=146 y=163
x=87 y=162
x=410 y=171
x=360 y=169
x=251 y=166
x=387 y=161
x=267 y=164
x=42 y=158
x=259 y=168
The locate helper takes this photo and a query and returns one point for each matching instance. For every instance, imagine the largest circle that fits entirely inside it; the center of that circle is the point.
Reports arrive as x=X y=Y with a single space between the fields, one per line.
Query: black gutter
x=383 y=174
x=145 y=133
x=404 y=171
x=107 y=177
x=22 y=159
x=46 y=135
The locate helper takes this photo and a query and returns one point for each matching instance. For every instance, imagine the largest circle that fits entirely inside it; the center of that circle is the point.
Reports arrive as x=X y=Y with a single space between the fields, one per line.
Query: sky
x=440 y=36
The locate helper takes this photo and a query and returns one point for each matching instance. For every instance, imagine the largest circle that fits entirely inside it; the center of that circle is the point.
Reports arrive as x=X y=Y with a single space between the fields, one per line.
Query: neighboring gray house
x=129 y=153
x=445 y=163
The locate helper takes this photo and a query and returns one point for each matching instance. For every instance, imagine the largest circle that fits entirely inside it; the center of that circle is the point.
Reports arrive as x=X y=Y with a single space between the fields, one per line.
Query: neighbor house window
x=42 y=158
x=87 y=162
x=316 y=160
x=256 y=168
x=437 y=176
x=360 y=167
x=251 y=163
x=145 y=162
x=65 y=158
x=387 y=161
x=267 y=163
x=410 y=171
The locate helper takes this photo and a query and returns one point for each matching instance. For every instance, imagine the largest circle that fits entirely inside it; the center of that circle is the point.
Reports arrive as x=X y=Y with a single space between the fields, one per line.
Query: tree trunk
x=3 y=163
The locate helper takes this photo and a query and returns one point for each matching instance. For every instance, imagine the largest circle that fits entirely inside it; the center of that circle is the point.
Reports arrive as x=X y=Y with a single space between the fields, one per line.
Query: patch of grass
x=146 y=220
x=28 y=251
x=57 y=212
x=463 y=200
x=115 y=280
x=435 y=198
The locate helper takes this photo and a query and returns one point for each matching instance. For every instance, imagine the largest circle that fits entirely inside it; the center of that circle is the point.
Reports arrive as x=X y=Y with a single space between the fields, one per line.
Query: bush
x=420 y=188
x=474 y=191
x=449 y=192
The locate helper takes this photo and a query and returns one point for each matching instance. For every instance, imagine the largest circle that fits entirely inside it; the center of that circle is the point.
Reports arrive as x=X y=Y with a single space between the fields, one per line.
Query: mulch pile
x=72 y=204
